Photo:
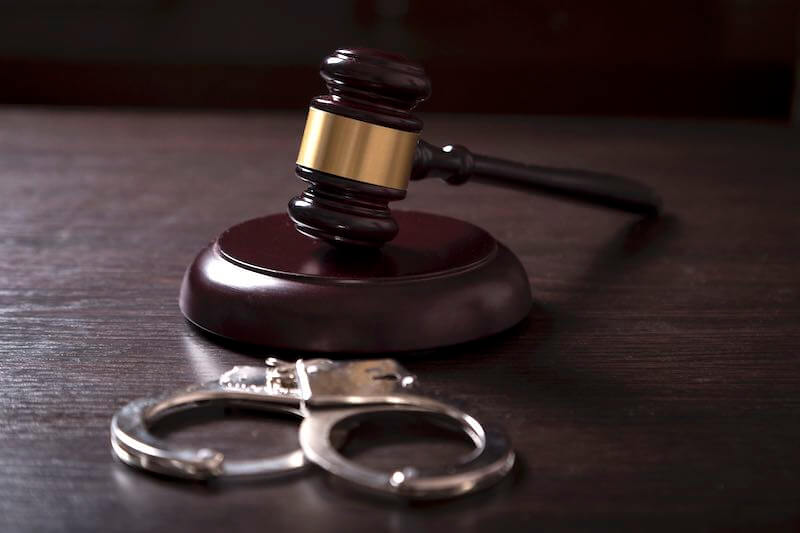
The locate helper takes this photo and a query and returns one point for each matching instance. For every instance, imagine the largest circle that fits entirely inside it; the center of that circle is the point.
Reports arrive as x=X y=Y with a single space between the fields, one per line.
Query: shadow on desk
x=635 y=244
x=537 y=354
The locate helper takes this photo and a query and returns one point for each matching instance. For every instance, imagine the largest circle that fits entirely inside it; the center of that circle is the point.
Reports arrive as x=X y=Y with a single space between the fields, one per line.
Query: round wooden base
x=440 y=282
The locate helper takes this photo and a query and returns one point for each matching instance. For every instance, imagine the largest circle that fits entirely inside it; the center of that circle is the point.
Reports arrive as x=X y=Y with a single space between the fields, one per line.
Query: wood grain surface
x=655 y=385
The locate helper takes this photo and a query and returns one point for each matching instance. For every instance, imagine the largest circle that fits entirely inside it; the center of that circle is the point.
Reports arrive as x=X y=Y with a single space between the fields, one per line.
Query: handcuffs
x=324 y=394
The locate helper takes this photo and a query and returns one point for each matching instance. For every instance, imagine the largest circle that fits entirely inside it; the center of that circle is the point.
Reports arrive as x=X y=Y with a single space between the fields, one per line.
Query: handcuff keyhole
x=404 y=381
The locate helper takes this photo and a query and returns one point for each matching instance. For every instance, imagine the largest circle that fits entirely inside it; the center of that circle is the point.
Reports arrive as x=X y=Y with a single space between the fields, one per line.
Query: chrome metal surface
x=271 y=388
x=328 y=395
x=365 y=388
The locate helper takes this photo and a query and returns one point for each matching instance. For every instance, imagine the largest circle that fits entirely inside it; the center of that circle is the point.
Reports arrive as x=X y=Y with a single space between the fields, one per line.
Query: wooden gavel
x=361 y=147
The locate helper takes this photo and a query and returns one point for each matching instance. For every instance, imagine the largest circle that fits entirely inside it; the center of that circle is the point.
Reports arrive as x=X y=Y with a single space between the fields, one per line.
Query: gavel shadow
x=542 y=335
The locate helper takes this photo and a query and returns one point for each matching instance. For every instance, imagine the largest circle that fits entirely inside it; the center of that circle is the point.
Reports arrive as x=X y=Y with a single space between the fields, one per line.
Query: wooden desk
x=655 y=385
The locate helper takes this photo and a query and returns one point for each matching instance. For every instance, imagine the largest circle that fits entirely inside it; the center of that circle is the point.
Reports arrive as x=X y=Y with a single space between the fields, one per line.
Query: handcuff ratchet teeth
x=328 y=396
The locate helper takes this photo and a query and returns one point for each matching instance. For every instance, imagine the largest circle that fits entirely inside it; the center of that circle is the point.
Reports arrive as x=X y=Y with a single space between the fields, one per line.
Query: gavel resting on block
x=361 y=147
x=370 y=281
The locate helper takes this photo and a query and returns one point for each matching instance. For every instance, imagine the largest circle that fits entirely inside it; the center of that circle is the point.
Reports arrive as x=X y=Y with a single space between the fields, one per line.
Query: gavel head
x=358 y=147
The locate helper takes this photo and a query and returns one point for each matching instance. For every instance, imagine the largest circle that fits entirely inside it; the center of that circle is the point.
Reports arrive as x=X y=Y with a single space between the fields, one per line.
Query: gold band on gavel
x=357 y=150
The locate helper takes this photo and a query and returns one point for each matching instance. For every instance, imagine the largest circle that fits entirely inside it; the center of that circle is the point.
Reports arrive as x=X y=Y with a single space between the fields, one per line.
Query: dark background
x=720 y=58
x=655 y=386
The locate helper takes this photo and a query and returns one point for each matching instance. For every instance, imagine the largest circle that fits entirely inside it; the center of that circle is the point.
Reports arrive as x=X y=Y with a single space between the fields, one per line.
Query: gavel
x=361 y=147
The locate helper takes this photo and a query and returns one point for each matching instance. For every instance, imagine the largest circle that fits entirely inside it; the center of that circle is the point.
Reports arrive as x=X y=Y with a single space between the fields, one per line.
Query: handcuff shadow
x=126 y=476
x=316 y=484
x=497 y=492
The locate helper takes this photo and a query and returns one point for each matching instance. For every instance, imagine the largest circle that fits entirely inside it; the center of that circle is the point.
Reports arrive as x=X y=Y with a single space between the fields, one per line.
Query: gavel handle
x=456 y=165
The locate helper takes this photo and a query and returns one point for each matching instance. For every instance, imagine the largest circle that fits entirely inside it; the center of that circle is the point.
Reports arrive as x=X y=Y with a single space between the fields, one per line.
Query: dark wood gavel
x=361 y=147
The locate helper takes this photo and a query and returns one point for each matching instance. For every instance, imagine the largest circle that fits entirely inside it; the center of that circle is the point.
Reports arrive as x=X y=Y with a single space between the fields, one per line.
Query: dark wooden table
x=656 y=383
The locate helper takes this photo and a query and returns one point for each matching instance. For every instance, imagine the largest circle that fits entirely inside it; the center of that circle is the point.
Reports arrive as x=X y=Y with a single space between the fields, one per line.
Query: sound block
x=440 y=282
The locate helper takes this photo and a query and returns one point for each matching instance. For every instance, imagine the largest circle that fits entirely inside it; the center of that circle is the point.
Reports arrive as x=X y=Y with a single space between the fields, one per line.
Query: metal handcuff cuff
x=325 y=394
